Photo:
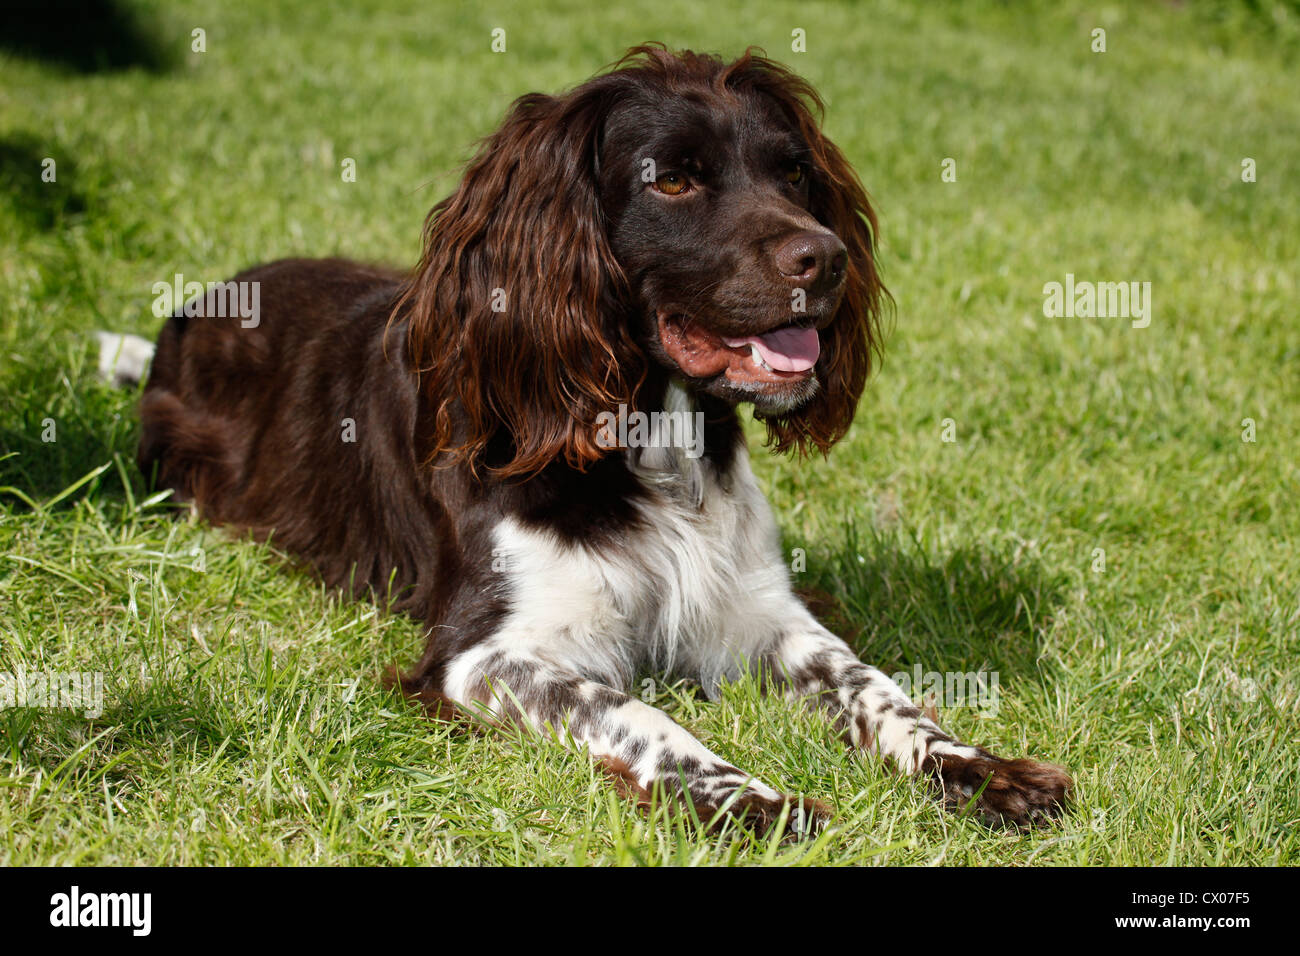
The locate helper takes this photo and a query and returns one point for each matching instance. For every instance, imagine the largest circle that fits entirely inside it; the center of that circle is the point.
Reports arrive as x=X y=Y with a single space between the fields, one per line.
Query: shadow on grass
x=902 y=602
x=84 y=438
x=84 y=36
x=23 y=161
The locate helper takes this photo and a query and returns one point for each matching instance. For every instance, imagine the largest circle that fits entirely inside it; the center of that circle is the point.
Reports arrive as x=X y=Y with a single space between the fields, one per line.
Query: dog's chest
x=695 y=588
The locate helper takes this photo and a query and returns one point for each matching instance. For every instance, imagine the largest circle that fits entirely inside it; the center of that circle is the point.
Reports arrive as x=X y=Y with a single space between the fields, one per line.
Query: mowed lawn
x=1111 y=530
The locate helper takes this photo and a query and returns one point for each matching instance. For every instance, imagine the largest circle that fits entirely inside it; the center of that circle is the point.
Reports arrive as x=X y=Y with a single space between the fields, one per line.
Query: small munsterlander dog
x=675 y=235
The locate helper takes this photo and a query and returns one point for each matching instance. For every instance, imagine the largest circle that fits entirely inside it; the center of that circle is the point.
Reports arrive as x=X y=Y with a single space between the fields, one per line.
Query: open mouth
x=778 y=356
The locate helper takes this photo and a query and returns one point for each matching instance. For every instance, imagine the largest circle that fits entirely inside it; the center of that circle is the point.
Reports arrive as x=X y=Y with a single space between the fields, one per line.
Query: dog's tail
x=123 y=359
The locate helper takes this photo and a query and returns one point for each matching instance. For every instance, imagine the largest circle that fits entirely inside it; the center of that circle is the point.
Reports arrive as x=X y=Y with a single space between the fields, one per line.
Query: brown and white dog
x=671 y=239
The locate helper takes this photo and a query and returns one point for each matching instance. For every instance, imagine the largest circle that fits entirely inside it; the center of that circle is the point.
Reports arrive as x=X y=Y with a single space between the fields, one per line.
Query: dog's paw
x=761 y=814
x=1009 y=793
x=720 y=796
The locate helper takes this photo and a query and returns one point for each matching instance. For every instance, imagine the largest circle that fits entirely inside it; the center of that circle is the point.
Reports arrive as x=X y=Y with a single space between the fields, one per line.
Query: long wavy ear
x=514 y=310
x=838 y=202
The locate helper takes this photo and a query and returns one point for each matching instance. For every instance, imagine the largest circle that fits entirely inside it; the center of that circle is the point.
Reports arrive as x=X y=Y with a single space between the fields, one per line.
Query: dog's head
x=677 y=214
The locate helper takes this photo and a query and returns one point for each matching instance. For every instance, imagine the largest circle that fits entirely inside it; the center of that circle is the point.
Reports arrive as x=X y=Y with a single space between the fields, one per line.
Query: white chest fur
x=698 y=590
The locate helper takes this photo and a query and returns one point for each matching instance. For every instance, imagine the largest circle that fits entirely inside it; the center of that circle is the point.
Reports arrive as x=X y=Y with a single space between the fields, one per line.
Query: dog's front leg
x=638 y=743
x=876 y=715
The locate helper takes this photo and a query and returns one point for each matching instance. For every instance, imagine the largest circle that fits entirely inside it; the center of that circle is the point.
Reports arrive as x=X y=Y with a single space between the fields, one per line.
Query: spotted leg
x=876 y=715
x=640 y=744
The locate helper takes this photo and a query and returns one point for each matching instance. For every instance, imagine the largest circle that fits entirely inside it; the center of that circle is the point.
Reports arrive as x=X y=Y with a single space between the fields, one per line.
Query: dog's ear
x=514 y=307
x=838 y=201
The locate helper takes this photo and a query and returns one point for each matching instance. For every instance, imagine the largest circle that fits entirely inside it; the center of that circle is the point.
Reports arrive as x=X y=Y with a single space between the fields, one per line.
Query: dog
x=671 y=239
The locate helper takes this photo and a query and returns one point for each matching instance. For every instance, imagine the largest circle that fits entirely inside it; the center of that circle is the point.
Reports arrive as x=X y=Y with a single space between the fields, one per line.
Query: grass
x=244 y=721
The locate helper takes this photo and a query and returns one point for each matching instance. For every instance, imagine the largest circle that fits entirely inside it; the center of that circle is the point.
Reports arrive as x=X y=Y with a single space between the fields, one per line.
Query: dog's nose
x=813 y=260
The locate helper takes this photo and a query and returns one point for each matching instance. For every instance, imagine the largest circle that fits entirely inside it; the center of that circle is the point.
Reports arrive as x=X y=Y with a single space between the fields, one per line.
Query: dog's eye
x=795 y=175
x=672 y=184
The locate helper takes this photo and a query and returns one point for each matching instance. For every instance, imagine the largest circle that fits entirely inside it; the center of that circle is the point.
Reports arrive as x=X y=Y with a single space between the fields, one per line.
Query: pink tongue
x=786 y=350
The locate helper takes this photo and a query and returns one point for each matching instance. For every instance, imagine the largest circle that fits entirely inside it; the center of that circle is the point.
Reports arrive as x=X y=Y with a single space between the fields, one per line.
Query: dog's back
x=255 y=418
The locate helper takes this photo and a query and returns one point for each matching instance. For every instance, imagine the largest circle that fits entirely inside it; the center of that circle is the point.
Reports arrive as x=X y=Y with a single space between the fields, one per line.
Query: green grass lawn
x=244 y=721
